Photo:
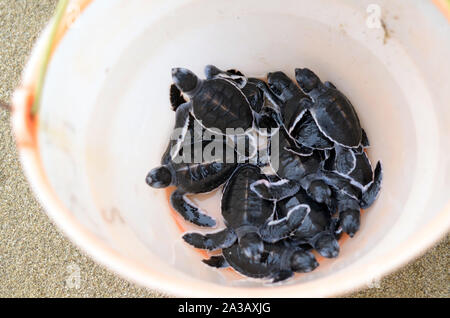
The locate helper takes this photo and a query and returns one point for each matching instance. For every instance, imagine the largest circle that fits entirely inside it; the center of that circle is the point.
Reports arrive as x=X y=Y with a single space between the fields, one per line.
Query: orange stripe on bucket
x=73 y=10
x=444 y=7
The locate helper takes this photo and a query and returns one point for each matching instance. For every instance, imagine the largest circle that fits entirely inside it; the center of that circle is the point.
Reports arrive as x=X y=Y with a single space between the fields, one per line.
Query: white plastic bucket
x=105 y=120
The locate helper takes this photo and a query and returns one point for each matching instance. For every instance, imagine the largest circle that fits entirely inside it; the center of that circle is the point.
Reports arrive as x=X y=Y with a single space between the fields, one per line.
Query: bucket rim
x=25 y=126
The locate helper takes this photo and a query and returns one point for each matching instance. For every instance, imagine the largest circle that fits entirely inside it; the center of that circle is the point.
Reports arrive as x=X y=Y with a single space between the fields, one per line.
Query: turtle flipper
x=350 y=221
x=329 y=85
x=369 y=195
x=305 y=131
x=181 y=127
x=235 y=76
x=235 y=72
x=275 y=190
x=212 y=241
x=188 y=211
x=345 y=161
x=254 y=96
x=212 y=71
x=340 y=183
x=176 y=97
x=364 y=140
x=267 y=92
x=216 y=261
x=267 y=121
x=363 y=173
x=275 y=231
x=326 y=244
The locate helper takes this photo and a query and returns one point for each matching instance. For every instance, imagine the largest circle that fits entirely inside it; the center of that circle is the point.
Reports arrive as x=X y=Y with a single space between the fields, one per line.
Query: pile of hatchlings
x=275 y=215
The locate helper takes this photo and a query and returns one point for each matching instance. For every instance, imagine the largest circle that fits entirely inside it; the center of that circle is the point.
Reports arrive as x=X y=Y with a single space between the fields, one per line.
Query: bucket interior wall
x=105 y=118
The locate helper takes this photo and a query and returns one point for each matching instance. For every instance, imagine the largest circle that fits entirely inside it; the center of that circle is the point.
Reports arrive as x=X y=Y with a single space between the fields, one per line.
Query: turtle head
x=185 y=80
x=350 y=221
x=303 y=261
x=160 y=177
x=327 y=246
x=281 y=85
x=306 y=79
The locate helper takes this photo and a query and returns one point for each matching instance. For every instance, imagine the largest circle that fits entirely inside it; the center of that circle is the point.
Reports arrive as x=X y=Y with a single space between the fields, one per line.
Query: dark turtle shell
x=244 y=265
x=240 y=205
x=362 y=173
x=308 y=134
x=337 y=118
x=254 y=96
x=363 y=170
x=194 y=135
x=220 y=104
x=202 y=177
x=291 y=165
x=274 y=260
x=318 y=219
x=281 y=84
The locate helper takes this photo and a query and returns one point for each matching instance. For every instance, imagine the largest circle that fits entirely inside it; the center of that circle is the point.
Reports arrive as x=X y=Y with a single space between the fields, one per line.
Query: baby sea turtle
x=248 y=218
x=361 y=174
x=348 y=206
x=348 y=161
x=306 y=133
x=191 y=178
x=244 y=145
x=287 y=96
x=318 y=227
x=372 y=189
x=263 y=114
x=298 y=171
x=217 y=103
x=332 y=111
x=350 y=199
x=251 y=91
x=304 y=127
x=334 y=115
x=279 y=261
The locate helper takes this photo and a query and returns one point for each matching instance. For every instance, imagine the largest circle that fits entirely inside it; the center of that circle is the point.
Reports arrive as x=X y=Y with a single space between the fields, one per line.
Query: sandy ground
x=36 y=259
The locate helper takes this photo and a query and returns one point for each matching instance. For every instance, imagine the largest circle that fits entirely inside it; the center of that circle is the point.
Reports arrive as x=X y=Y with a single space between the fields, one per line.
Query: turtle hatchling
x=248 y=218
x=299 y=171
x=263 y=114
x=300 y=125
x=191 y=178
x=318 y=227
x=279 y=261
x=292 y=158
x=218 y=104
x=332 y=111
